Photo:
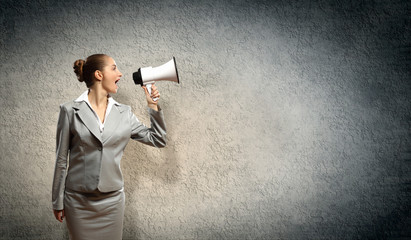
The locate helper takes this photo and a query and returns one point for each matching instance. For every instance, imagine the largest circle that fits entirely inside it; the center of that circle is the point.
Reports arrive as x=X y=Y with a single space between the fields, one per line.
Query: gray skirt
x=94 y=215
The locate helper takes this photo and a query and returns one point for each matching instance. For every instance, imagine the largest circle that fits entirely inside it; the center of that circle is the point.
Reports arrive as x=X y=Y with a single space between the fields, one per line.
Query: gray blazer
x=94 y=157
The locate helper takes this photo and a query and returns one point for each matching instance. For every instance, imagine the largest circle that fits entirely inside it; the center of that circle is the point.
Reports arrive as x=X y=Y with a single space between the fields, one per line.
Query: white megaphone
x=149 y=75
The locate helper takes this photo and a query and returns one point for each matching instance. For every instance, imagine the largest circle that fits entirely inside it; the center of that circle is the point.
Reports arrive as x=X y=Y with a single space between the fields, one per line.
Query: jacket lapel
x=112 y=121
x=87 y=117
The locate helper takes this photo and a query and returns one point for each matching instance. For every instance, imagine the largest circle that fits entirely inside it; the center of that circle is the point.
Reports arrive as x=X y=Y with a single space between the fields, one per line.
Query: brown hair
x=85 y=69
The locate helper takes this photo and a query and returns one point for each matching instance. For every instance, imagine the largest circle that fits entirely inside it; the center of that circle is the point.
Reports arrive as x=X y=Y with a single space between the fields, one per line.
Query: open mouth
x=117 y=81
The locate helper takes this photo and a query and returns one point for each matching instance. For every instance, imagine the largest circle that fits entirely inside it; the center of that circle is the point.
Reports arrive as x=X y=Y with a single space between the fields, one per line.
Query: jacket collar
x=83 y=110
x=84 y=97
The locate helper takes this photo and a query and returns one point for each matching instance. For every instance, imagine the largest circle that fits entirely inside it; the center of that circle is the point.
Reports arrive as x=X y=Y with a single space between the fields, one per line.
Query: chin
x=114 y=90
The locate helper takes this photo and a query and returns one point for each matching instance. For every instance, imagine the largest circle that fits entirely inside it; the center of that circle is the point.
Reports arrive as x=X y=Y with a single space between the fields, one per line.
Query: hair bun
x=78 y=69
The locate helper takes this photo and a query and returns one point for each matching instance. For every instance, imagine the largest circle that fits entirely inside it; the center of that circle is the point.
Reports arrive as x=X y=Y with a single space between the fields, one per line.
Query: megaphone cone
x=165 y=72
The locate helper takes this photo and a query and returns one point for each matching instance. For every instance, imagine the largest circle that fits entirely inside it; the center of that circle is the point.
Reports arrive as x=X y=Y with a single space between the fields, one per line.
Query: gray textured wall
x=292 y=119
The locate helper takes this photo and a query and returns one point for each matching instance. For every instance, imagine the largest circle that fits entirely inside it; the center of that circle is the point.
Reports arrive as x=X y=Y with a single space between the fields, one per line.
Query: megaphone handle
x=148 y=86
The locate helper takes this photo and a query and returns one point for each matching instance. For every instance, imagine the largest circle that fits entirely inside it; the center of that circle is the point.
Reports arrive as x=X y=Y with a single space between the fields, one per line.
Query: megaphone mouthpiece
x=137 y=77
x=175 y=67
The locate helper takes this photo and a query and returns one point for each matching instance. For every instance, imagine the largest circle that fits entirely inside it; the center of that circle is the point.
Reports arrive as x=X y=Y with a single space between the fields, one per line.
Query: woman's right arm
x=60 y=170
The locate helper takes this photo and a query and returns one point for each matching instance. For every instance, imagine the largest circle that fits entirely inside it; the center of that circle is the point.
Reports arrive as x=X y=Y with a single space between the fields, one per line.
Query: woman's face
x=111 y=75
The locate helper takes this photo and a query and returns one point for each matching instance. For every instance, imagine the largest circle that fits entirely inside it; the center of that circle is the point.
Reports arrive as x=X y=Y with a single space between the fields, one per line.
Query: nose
x=120 y=73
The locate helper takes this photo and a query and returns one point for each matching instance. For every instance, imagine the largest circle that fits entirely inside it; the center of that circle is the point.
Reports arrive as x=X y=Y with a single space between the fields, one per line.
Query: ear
x=98 y=75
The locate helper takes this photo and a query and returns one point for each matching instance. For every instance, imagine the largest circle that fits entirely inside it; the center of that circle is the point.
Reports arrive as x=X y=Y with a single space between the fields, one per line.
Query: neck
x=98 y=97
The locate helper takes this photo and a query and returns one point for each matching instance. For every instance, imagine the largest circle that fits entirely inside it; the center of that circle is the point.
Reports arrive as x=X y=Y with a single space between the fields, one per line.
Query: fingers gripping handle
x=148 y=86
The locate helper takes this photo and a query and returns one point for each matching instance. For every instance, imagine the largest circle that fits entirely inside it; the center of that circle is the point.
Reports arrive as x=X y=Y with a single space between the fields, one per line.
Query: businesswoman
x=92 y=132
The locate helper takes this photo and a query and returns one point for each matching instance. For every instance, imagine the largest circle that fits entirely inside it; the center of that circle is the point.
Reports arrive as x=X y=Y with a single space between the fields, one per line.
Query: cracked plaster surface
x=292 y=119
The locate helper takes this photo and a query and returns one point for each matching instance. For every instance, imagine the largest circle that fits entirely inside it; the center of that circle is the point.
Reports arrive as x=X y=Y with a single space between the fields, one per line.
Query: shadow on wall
x=396 y=225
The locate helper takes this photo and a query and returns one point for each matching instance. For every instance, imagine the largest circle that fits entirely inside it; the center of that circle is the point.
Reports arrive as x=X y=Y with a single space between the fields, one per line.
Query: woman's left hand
x=154 y=94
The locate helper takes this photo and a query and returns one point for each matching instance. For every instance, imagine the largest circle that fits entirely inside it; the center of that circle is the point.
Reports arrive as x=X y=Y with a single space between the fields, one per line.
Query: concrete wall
x=292 y=119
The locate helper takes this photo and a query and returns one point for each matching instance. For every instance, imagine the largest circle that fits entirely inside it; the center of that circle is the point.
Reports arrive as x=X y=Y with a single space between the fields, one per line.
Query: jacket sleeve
x=155 y=135
x=62 y=150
